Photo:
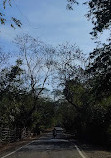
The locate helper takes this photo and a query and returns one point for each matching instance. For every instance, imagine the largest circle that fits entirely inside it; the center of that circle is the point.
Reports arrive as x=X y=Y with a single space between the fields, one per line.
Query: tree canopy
x=99 y=13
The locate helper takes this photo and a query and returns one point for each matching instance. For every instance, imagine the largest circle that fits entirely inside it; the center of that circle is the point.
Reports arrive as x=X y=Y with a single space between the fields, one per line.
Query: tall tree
x=75 y=93
x=69 y=60
x=99 y=69
x=10 y=89
x=37 y=61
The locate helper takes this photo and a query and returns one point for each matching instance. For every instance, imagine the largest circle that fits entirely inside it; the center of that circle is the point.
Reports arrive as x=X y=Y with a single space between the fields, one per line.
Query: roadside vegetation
x=81 y=101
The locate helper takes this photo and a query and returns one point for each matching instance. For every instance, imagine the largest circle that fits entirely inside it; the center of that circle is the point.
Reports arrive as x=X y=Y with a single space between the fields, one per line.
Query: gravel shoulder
x=95 y=151
x=10 y=147
x=90 y=151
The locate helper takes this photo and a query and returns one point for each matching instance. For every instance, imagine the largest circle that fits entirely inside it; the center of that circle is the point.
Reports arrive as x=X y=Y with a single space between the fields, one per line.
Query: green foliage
x=99 y=70
x=74 y=92
x=43 y=117
x=100 y=14
x=17 y=102
x=85 y=114
x=69 y=117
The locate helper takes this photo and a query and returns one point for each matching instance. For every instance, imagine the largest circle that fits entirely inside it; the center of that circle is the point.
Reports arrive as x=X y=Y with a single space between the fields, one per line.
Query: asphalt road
x=48 y=147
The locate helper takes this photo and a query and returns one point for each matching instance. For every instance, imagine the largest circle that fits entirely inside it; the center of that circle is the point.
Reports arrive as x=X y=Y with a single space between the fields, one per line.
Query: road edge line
x=79 y=151
x=13 y=152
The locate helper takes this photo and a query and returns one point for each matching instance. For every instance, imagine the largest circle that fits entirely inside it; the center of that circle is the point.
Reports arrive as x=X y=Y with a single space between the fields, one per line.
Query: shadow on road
x=47 y=142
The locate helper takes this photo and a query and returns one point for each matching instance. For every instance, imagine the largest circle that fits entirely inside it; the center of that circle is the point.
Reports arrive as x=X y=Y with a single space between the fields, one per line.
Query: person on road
x=54 y=133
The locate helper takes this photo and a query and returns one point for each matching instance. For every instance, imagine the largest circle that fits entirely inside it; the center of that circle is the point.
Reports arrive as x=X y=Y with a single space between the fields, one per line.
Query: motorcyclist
x=54 y=132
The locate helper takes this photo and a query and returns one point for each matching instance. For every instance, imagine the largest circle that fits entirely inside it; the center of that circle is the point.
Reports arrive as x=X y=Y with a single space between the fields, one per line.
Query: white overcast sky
x=51 y=22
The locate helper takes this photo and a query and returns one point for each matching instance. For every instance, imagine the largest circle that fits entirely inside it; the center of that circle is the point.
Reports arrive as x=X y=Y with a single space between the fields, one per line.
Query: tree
x=75 y=93
x=10 y=90
x=97 y=125
x=67 y=64
x=17 y=101
x=4 y=19
x=4 y=57
x=37 y=62
x=68 y=61
x=99 y=13
x=43 y=118
x=14 y=21
x=99 y=71
x=70 y=4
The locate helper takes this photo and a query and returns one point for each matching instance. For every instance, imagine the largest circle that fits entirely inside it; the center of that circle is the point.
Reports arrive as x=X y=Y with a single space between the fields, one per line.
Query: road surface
x=48 y=147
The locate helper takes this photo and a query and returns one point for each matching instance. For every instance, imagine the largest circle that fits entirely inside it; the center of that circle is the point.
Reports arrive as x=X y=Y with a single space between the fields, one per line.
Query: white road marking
x=81 y=154
x=16 y=150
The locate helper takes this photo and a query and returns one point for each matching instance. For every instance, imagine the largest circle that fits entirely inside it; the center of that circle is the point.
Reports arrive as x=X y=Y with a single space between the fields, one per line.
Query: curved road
x=48 y=147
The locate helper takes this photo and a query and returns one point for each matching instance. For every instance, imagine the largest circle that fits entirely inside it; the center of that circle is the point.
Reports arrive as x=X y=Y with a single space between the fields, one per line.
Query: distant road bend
x=48 y=147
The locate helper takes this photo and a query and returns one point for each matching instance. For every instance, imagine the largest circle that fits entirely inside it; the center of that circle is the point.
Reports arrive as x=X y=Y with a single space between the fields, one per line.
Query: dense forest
x=81 y=101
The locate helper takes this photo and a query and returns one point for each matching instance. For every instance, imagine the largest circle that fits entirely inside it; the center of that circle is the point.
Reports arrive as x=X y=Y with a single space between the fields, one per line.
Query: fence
x=7 y=135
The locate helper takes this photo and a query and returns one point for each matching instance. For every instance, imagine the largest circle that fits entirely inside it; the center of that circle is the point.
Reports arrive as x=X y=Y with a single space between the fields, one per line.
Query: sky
x=51 y=22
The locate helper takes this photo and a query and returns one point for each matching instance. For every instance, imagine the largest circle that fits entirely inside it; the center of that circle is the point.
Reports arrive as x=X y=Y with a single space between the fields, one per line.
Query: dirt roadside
x=10 y=147
x=90 y=151
x=95 y=151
